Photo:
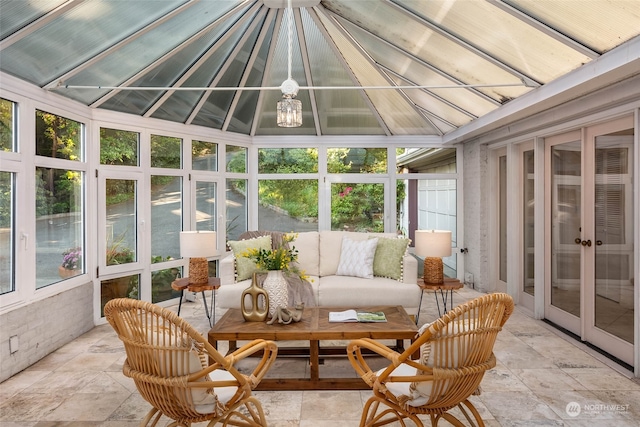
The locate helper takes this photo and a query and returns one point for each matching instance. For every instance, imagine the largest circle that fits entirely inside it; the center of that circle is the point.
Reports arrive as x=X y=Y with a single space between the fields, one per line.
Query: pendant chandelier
x=289 y=109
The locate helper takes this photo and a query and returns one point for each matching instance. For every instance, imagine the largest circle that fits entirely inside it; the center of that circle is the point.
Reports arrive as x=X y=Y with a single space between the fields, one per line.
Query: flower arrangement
x=280 y=258
x=72 y=259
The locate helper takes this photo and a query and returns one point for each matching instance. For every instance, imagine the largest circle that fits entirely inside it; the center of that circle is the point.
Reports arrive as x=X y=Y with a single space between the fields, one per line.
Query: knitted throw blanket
x=300 y=291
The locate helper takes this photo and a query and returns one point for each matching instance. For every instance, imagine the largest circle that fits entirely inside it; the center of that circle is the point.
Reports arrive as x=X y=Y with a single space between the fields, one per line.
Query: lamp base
x=198 y=271
x=433 y=271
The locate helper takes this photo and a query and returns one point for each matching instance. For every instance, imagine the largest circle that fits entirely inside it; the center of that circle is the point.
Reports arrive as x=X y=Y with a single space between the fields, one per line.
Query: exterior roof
x=428 y=67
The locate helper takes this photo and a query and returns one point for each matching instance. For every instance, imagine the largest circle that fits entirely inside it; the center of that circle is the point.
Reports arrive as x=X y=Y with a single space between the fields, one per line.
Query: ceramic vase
x=253 y=307
x=276 y=286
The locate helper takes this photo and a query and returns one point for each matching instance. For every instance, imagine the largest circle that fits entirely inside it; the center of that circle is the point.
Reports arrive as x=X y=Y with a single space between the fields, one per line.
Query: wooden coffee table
x=314 y=327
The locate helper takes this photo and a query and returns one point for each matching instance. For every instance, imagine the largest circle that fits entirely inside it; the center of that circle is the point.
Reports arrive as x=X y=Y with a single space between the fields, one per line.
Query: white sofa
x=319 y=256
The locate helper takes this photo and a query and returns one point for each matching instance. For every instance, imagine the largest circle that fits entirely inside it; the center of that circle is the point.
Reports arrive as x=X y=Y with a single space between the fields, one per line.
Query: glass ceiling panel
x=245 y=111
x=275 y=76
x=77 y=35
x=431 y=47
x=470 y=100
x=502 y=36
x=397 y=113
x=180 y=105
x=18 y=14
x=600 y=25
x=340 y=111
x=130 y=59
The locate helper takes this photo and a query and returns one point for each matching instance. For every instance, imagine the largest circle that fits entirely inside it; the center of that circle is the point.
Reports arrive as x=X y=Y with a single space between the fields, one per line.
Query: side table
x=446 y=293
x=213 y=284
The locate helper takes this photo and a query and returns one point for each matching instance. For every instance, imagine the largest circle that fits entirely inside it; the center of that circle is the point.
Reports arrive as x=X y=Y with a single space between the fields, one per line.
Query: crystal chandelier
x=289 y=109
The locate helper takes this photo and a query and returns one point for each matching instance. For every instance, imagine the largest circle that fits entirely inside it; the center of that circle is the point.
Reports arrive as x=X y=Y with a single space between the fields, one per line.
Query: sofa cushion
x=389 y=258
x=331 y=246
x=245 y=267
x=354 y=292
x=307 y=243
x=356 y=258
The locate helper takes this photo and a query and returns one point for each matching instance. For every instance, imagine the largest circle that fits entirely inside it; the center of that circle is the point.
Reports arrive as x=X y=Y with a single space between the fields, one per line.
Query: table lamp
x=433 y=245
x=197 y=246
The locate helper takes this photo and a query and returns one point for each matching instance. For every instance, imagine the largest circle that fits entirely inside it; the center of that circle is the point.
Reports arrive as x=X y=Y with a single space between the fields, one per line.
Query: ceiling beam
x=304 y=53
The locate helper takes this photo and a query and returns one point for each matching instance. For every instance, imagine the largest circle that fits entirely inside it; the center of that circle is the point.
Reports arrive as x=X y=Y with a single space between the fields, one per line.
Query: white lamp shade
x=198 y=244
x=433 y=243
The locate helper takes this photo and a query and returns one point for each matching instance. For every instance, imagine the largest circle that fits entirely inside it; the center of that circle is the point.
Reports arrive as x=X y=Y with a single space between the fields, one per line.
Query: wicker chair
x=455 y=352
x=169 y=363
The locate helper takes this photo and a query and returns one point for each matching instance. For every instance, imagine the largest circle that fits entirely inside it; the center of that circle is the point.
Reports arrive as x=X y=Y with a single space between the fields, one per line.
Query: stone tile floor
x=539 y=373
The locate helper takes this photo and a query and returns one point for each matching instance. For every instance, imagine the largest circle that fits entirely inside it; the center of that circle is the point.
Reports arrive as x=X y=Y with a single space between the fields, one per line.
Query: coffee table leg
x=314 y=359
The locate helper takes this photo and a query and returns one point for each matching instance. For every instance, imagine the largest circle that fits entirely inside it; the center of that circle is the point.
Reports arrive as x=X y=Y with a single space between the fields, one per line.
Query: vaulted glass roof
x=365 y=67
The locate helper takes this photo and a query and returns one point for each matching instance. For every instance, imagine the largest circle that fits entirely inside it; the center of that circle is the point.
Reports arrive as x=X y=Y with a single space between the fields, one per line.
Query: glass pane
x=435 y=204
x=166 y=152
x=118 y=147
x=7 y=262
x=206 y=207
x=502 y=229
x=426 y=160
x=58 y=137
x=166 y=216
x=161 y=289
x=59 y=225
x=236 y=159
x=7 y=125
x=288 y=205
x=357 y=160
x=287 y=160
x=236 y=209
x=121 y=221
x=120 y=287
x=528 y=220
x=204 y=156
x=566 y=208
x=614 y=245
x=357 y=207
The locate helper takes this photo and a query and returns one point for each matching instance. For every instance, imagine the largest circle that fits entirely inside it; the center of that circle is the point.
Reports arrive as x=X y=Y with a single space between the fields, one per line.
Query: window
x=59 y=201
x=288 y=160
x=357 y=160
x=7 y=235
x=204 y=156
x=166 y=152
x=7 y=125
x=288 y=204
x=118 y=147
x=236 y=159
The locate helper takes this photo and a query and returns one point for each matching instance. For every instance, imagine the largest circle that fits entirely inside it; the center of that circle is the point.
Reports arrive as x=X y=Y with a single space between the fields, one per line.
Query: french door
x=589 y=276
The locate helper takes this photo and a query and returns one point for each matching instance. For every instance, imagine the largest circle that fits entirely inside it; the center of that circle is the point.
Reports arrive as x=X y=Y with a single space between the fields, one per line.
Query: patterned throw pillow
x=356 y=258
x=389 y=258
x=245 y=267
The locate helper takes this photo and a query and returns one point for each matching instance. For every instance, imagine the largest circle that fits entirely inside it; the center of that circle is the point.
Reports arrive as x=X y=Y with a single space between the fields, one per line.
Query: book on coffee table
x=356 y=316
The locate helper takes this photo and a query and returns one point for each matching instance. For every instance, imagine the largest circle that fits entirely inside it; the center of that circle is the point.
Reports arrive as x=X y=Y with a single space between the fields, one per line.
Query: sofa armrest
x=410 y=269
x=227 y=269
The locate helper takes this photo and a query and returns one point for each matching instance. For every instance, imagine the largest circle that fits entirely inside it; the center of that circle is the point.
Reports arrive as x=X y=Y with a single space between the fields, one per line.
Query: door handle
x=599 y=242
x=586 y=243
x=578 y=240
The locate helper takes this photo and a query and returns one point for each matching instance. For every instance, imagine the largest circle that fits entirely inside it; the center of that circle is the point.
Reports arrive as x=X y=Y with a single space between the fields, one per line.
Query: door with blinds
x=589 y=286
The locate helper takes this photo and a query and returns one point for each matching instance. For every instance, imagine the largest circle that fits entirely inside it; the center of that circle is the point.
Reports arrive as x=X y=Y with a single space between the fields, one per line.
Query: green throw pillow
x=389 y=258
x=245 y=267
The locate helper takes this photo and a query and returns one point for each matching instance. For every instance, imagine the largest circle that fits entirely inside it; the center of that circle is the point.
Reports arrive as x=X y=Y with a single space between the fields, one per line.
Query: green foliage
x=57 y=137
x=288 y=160
x=236 y=159
x=166 y=152
x=5 y=199
x=357 y=207
x=6 y=125
x=118 y=147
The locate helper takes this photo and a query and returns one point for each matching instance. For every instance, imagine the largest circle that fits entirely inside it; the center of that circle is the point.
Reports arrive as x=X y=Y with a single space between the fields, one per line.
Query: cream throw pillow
x=356 y=258
x=245 y=267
